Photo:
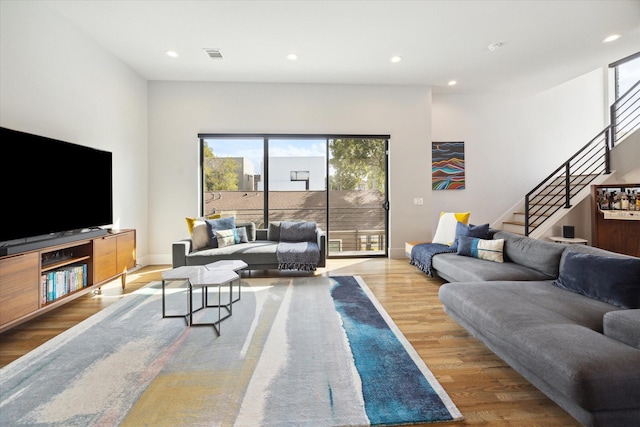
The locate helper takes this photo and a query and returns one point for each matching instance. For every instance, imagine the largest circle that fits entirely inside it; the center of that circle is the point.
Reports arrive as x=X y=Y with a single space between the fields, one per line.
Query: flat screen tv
x=51 y=187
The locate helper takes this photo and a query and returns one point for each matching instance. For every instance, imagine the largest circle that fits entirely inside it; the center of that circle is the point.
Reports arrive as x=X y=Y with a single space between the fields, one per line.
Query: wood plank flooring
x=483 y=387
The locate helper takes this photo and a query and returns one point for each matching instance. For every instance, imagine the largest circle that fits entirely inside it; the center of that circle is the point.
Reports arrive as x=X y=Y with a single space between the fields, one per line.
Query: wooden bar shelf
x=616 y=225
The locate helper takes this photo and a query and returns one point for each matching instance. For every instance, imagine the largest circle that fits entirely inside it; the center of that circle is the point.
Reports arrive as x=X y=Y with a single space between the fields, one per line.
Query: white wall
x=511 y=144
x=58 y=83
x=178 y=111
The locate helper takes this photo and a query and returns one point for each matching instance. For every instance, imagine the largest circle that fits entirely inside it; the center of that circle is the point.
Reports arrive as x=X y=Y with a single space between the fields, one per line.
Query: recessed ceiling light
x=172 y=53
x=292 y=57
x=396 y=58
x=611 y=38
x=452 y=83
x=495 y=46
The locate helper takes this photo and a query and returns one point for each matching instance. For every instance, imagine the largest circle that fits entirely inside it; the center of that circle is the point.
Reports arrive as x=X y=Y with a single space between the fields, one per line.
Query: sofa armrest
x=623 y=326
x=180 y=250
x=322 y=244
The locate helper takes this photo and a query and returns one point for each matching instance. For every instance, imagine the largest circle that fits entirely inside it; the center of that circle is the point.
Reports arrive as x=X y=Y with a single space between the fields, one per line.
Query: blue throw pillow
x=218 y=224
x=479 y=231
x=612 y=280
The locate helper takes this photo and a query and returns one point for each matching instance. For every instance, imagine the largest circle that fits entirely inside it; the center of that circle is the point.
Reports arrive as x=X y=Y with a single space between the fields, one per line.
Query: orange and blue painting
x=447 y=166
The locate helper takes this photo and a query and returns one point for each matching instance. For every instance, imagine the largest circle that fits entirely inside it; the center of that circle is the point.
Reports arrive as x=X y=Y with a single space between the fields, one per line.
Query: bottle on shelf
x=624 y=201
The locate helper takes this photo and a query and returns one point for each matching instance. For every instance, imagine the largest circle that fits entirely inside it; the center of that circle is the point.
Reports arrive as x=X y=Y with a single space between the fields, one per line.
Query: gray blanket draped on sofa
x=298 y=249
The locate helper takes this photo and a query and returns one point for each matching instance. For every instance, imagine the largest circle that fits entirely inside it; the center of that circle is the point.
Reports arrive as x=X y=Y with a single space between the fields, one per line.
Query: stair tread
x=521 y=223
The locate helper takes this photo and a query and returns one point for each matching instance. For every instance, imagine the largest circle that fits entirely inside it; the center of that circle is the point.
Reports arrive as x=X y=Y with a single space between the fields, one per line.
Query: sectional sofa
x=566 y=317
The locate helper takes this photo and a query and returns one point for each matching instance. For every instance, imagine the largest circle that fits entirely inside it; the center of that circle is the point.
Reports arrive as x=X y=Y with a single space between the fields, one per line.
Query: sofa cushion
x=455 y=268
x=610 y=279
x=479 y=231
x=623 y=326
x=489 y=250
x=273 y=232
x=446 y=230
x=253 y=253
x=537 y=254
x=551 y=336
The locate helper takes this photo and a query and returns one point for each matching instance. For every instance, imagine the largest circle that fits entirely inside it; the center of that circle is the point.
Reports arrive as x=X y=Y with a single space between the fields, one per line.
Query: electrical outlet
x=418 y=201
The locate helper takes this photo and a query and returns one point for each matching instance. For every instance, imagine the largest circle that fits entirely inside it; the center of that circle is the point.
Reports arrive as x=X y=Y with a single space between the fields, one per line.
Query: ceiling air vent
x=213 y=53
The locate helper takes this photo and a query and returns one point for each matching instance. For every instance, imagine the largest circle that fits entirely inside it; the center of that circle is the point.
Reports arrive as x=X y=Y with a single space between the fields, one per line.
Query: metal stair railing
x=556 y=190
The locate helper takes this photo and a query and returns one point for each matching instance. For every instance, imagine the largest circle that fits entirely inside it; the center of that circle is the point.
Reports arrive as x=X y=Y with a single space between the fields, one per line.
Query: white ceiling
x=350 y=42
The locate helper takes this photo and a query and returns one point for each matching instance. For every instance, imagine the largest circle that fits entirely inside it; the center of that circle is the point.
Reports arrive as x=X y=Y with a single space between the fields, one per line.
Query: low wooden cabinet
x=34 y=282
x=113 y=256
x=616 y=226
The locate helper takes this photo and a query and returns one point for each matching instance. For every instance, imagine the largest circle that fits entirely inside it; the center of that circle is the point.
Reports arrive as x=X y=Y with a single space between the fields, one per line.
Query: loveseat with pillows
x=284 y=245
x=566 y=317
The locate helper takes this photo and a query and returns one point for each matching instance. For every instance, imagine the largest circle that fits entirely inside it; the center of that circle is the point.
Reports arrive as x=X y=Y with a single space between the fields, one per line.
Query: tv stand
x=40 y=279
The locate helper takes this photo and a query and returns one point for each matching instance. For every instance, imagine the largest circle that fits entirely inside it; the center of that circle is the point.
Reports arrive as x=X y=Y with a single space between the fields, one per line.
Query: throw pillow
x=214 y=225
x=479 y=231
x=241 y=235
x=612 y=280
x=446 y=230
x=199 y=236
x=489 y=250
x=250 y=228
x=226 y=237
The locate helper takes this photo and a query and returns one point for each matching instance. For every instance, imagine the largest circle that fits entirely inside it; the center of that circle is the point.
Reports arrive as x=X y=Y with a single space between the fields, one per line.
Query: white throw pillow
x=446 y=231
x=200 y=235
x=226 y=237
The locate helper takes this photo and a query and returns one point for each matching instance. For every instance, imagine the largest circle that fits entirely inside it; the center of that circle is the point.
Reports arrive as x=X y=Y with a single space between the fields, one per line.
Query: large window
x=625 y=116
x=338 y=182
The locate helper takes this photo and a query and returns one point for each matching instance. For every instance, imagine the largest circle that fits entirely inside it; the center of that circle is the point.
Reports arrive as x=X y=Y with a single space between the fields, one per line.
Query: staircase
x=570 y=183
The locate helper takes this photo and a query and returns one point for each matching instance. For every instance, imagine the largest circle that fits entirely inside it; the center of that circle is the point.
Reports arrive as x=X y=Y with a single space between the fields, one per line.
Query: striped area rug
x=316 y=351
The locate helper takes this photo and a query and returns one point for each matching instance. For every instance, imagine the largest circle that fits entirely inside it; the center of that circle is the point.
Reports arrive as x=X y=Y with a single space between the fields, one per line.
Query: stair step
x=520 y=224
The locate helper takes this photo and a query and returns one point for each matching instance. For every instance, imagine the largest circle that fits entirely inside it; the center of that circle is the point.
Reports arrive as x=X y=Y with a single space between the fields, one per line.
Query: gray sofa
x=581 y=347
x=260 y=252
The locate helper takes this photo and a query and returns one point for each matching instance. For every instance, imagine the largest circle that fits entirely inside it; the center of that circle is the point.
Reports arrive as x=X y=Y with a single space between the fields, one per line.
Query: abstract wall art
x=447 y=166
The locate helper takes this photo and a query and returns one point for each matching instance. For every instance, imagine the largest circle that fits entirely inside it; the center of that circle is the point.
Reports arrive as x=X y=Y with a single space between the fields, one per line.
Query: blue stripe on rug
x=395 y=389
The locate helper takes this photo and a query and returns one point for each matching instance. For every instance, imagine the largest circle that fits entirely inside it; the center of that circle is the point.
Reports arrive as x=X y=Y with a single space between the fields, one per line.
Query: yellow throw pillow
x=446 y=230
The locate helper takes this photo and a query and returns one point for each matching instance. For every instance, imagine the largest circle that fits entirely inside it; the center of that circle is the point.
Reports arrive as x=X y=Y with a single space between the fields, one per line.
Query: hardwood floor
x=484 y=388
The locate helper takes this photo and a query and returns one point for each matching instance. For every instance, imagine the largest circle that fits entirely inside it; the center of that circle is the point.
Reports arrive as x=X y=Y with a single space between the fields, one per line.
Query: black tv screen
x=50 y=187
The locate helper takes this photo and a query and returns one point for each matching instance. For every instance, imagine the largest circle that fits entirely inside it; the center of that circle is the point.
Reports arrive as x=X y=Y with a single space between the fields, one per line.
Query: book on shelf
x=60 y=282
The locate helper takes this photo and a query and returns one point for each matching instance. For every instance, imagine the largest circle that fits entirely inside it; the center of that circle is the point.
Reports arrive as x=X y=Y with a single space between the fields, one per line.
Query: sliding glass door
x=338 y=182
x=358 y=204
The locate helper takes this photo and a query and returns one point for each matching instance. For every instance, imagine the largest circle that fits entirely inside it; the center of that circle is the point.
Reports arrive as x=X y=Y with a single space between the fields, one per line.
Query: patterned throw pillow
x=446 y=230
x=226 y=237
x=489 y=250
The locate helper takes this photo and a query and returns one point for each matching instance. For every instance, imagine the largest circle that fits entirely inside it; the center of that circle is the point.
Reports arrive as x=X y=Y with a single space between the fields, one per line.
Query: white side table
x=233 y=265
x=177 y=274
x=569 y=240
x=204 y=278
